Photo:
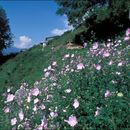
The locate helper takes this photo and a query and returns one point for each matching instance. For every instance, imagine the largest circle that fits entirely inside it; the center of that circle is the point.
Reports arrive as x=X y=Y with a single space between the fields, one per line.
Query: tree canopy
x=5 y=33
x=96 y=14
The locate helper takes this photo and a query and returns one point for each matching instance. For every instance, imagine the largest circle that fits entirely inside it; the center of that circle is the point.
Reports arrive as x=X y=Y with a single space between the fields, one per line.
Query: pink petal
x=108 y=93
x=76 y=103
x=7 y=110
x=10 y=97
x=80 y=66
x=21 y=115
x=72 y=121
x=13 y=121
x=95 y=45
x=35 y=92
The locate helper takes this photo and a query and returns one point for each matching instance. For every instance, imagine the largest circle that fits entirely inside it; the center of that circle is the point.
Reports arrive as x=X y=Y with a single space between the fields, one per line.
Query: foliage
x=5 y=33
x=110 y=15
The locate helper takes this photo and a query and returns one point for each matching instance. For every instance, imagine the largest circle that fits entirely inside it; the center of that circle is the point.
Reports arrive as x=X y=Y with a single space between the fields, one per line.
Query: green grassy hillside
x=56 y=88
x=28 y=65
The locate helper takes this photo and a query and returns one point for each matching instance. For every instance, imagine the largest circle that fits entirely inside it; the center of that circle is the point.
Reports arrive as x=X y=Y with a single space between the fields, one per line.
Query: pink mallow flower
x=36 y=100
x=106 y=54
x=107 y=93
x=10 y=98
x=95 y=45
x=35 y=92
x=47 y=74
x=21 y=115
x=54 y=63
x=127 y=32
x=120 y=63
x=13 y=121
x=66 y=56
x=97 y=112
x=7 y=110
x=110 y=62
x=53 y=114
x=80 y=66
x=97 y=66
x=35 y=108
x=76 y=103
x=126 y=38
x=72 y=121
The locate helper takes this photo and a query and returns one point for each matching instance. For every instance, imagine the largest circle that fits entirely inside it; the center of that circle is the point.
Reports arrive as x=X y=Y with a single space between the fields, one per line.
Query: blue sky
x=32 y=21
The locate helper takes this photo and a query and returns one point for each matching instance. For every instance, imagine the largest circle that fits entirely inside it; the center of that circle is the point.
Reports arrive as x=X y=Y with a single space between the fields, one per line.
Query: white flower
x=108 y=93
x=47 y=74
x=35 y=108
x=120 y=94
x=72 y=121
x=76 y=103
x=118 y=73
x=10 y=98
x=54 y=63
x=111 y=62
x=36 y=100
x=53 y=114
x=68 y=90
x=66 y=56
x=42 y=107
x=95 y=45
x=13 y=121
x=80 y=66
x=45 y=70
x=28 y=99
x=97 y=112
x=72 y=55
x=8 y=90
x=35 y=92
x=49 y=67
x=7 y=110
x=21 y=115
x=120 y=63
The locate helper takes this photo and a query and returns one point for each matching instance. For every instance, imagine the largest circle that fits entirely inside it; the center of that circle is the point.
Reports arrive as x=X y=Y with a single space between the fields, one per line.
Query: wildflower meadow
x=86 y=89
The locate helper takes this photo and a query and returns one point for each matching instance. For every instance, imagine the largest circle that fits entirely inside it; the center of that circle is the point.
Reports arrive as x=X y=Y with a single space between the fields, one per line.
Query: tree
x=5 y=33
x=101 y=17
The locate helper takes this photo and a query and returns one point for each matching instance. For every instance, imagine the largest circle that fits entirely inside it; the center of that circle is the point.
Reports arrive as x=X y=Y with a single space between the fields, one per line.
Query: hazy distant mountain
x=11 y=50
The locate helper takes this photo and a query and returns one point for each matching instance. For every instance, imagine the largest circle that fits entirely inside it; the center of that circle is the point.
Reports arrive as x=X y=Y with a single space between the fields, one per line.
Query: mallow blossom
x=66 y=56
x=76 y=103
x=95 y=45
x=47 y=74
x=120 y=63
x=110 y=62
x=13 y=121
x=127 y=32
x=107 y=93
x=126 y=38
x=35 y=92
x=54 y=63
x=97 y=112
x=72 y=121
x=21 y=115
x=80 y=66
x=10 y=98
x=106 y=54
x=7 y=110
x=53 y=114
x=97 y=66
x=36 y=100
x=68 y=90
